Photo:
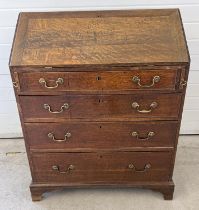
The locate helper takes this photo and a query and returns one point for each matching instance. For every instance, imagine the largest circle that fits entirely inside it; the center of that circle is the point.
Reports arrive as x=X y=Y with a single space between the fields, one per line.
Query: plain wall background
x=9 y=10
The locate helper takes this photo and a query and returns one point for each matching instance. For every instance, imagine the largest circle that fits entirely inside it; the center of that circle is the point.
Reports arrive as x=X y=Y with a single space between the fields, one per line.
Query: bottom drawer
x=106 y=167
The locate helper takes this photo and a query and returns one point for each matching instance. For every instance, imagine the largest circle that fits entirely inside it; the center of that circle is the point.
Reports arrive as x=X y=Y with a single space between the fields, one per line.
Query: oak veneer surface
x=103 y=38
x=101 y=106
x=102 y=167
x=98 y=80
x=100 y=97
x=102 y=135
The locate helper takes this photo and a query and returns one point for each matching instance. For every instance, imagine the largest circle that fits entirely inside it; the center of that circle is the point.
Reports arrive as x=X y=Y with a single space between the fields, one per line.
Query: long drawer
x=100 y=135
x=100 y=80
x=101 y=167
x=101 y=107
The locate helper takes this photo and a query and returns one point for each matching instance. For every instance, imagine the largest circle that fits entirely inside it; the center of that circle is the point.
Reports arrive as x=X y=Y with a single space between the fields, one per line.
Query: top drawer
x=99 y=81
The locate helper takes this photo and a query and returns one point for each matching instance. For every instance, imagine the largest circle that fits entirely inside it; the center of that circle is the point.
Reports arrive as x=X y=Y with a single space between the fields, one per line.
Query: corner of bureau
x=100 y=97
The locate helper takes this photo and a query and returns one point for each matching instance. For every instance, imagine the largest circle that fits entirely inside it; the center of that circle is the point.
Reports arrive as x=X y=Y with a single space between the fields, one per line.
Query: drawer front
x=100 y=135
x=102 y=167
x=99 y=81
x=101 y=106
x=124 y=80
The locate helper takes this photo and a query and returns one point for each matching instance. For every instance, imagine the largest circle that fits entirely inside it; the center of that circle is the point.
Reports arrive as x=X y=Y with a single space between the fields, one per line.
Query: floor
x=15 y=179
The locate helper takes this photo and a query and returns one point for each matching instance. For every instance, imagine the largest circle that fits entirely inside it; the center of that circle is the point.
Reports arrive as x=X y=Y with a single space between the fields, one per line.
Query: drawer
x=107 y=167
x=99 y=80
x=124 y=80
x=101 y=107
x=100 y=135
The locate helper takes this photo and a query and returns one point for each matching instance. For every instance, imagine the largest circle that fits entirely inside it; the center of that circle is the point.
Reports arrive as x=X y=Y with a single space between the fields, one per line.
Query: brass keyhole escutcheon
x=98 y=78
x=100 y=100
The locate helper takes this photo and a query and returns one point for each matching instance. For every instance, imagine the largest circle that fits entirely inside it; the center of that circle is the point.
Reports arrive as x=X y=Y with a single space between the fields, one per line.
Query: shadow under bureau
x=100 y=97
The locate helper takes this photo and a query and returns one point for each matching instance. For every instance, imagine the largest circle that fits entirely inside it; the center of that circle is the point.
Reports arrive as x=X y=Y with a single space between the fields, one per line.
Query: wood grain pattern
x=102 y=167
x=102 y=107
x=100 y=135
x=99 y=81
x=97 y=54
x=166 y=188
x=116 y=37
x=121 y=80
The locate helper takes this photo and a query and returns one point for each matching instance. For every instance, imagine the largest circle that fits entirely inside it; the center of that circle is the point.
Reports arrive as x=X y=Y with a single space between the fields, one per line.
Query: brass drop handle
x=183 y=84
x=136 y=106
x=68 y=170
x=66 y=136
x=133 y=168
x=149 y=135
x=15 y=84
x=65 y=106
x=137 y=80
x=57 y=82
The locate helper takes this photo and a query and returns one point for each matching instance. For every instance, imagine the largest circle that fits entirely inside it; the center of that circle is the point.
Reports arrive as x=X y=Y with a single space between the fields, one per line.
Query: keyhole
x=98 y=78
x=100 y=126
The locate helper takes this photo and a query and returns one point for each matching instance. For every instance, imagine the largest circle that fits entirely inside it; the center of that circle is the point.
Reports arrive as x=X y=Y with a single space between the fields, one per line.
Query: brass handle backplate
x=149 y=135
x=183 y=84
x=68 y=170
x=65 y=106
x=57 y=82
x=66 y=136
x=137 y=80
x=133 y=168
x=15 y=84
x=136 y=106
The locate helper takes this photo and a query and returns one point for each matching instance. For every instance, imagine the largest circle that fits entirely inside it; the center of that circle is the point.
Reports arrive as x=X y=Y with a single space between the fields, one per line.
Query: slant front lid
x=103 y=37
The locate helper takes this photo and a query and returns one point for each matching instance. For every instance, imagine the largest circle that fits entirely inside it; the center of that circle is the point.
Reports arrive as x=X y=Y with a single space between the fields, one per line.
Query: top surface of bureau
x=114 y=38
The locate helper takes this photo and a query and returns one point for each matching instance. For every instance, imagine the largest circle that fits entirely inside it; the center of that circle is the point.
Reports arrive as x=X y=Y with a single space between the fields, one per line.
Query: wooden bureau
x=100 y=97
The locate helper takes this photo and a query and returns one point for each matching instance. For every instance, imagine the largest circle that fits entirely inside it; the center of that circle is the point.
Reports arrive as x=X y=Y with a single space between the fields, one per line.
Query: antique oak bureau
x=100 y=97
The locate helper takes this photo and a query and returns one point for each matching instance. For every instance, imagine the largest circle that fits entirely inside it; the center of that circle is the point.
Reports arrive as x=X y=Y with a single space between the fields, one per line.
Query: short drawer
x=100 y=135
x=99 y=80
x=124 y=80
x=107 y=167
x=100 y=107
